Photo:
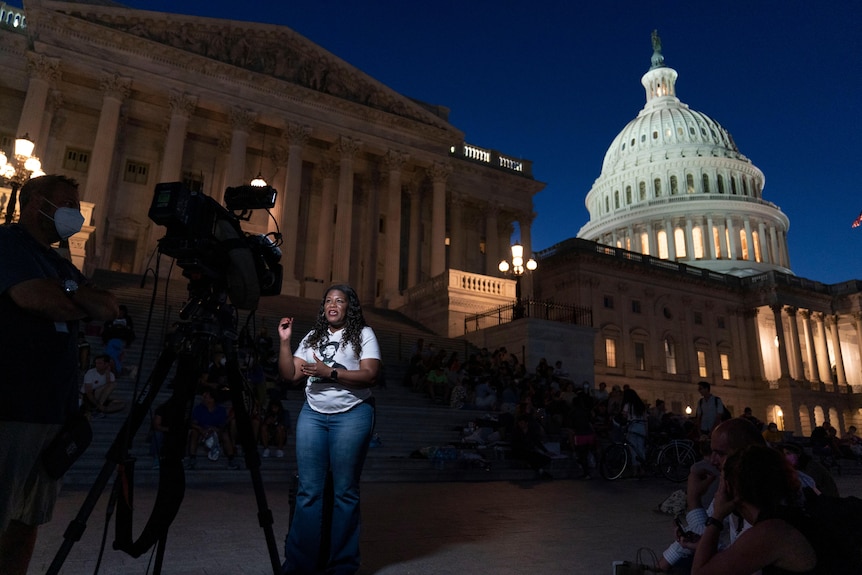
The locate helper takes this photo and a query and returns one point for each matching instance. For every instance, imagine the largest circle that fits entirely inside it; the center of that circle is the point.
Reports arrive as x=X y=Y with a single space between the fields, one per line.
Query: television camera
x=209 y=244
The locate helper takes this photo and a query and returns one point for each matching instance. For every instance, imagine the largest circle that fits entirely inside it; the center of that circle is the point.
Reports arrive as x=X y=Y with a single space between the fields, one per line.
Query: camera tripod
x=208 y=320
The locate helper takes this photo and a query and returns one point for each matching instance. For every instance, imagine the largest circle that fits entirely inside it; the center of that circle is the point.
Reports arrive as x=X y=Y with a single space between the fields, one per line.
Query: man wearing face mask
x=43 y=297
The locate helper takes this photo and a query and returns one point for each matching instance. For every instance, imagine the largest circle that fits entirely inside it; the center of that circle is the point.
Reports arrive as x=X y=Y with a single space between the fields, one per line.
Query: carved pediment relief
x=273 y=51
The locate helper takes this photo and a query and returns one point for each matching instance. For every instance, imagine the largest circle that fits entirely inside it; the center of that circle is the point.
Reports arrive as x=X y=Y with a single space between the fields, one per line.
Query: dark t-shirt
x=38 y=357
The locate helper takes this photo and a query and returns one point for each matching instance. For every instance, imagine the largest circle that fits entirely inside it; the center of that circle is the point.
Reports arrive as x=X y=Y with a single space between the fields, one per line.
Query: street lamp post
x=518 y=267
x=23 y=166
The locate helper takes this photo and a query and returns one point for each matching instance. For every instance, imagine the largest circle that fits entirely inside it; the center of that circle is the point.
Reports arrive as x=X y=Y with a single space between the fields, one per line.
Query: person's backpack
x=838 y=522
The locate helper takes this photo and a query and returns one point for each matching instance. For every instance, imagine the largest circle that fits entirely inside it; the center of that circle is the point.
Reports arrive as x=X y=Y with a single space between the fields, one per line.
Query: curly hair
x=354 y=322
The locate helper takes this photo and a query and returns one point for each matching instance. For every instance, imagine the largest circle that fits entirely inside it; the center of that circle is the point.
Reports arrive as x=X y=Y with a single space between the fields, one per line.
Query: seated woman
x=759 y=485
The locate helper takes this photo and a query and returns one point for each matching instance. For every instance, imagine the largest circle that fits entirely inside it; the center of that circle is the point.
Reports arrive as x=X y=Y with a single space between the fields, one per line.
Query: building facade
x=374 y=188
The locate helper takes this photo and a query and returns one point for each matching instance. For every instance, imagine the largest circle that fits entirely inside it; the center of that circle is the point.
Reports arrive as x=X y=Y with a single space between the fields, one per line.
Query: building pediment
x=272 y=51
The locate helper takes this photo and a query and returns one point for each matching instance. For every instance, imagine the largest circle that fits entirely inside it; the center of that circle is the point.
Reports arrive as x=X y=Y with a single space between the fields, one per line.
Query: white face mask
x=67 y=221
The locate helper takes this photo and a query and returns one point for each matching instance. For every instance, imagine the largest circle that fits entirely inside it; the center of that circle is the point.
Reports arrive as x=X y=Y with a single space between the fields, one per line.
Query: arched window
x=744 y=186
x=657 y=185
x=720 y=184
x=679 y=242
x=616 y=199
x=674 y=186
x=642 y=191
x=607 y=204
x=697 y=240
x=755 y=239
x=705 y=184
x=689 y=184
x=733 y=186
x=628 y=195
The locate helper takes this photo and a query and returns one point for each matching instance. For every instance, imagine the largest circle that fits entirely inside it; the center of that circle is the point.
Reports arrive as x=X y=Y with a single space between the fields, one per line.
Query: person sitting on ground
x=746 y=414
x=437 y=383
x=210 y=426
x=458 y=395
x=813 y=473
x=485 y=395
x=727 y=438
x=758 y=484
x=273 y=431
x=851 y=444
x=98 y=385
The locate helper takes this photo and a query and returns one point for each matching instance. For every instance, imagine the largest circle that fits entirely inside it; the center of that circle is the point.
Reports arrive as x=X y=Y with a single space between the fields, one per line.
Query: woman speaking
x=340 y=358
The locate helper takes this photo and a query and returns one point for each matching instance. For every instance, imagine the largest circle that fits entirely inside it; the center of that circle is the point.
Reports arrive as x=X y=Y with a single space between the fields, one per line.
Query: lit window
x=725 y=366
x=755 y=238
x=743 y=243
x=662 y=244
x=716 y=240
x=645 y=244
x=679 y=242
x=697 y=240
x=670 y=356
x=611 y=352
x=701 y=363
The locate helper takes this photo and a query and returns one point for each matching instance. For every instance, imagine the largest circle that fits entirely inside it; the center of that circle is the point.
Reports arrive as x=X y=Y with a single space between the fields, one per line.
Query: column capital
x=791 y=310
x=297 y=134
x=857 y=315
x=805 y=314
x=526 y=218
x=439 y=172
x=831 y=319
x=347 y=147
x=224 y=142
x=329 y=169
x=43 y=67
x=241 y=119
x=279 y=154
x=115 y=86
x=183 y=104
x=776 y=307
x=818 y=316
x=395 y=159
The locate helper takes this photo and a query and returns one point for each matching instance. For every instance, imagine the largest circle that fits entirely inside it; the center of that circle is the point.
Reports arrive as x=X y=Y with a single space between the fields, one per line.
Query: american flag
x=857 y=222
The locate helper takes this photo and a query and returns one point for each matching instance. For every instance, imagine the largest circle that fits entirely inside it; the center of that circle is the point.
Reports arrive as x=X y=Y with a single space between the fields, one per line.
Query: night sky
x=555 y=81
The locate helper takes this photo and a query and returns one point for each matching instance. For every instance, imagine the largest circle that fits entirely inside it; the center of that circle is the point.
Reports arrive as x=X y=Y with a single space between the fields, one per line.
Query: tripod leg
x=114 y=456
x=252 y=459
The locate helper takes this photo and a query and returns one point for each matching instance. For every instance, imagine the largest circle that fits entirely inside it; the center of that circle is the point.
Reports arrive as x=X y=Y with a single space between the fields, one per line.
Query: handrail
x=563 y=313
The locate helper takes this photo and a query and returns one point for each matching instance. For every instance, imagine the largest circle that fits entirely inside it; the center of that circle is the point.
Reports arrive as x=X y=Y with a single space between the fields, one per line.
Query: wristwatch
x=334 y=375
x=715 y=522
x=70 y=287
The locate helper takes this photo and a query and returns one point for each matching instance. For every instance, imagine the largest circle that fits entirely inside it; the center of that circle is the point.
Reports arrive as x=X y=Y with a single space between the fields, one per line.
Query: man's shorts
x=27 y=494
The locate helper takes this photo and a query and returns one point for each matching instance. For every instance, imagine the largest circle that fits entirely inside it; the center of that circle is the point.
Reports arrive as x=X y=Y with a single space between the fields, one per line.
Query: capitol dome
x=675 y=186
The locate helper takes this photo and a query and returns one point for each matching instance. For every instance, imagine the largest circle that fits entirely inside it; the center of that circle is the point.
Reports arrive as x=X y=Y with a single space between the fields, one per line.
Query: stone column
x=44 y=72
x=297 y=136
x=709 y=240
x=370 y=238
x=814 y=372
x=182 y=107
x=832 y=321
x=391 y=274
x=749 y=239
x=329 y=171
x=492 y=239
x=241 y=121
x=689 y=240
x=347 y=148
x=755 y=350
x=722 y=242
x=115 y=90
x=822 y=348
x=671 y=240
x=438 y=173
x=774 y=255
x=731 y=241
x=653 y=251
x=784 y=369
x=414 y=258
x=457 y=248
x=795 y=348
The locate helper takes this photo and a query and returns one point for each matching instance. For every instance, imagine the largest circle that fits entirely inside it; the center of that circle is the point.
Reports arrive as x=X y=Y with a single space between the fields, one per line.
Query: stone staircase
x=406 y=421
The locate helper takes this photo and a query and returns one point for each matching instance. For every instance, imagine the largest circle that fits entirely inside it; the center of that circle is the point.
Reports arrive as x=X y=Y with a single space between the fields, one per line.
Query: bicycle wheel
x=615 y=459
x=675 y=460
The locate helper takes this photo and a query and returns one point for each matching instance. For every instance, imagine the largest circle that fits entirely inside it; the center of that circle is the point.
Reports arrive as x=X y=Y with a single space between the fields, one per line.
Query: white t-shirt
x=325 y=395
x=96 y=379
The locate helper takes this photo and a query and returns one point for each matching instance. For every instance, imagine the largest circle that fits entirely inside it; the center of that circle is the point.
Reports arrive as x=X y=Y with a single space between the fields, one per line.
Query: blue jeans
x=324 y=443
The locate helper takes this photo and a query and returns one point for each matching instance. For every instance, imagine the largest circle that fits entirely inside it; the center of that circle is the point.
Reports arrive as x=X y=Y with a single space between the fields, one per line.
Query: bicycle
x=671 y=458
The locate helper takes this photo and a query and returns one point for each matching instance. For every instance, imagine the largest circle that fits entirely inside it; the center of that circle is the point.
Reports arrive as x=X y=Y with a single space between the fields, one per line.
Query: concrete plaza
x=494 y=528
